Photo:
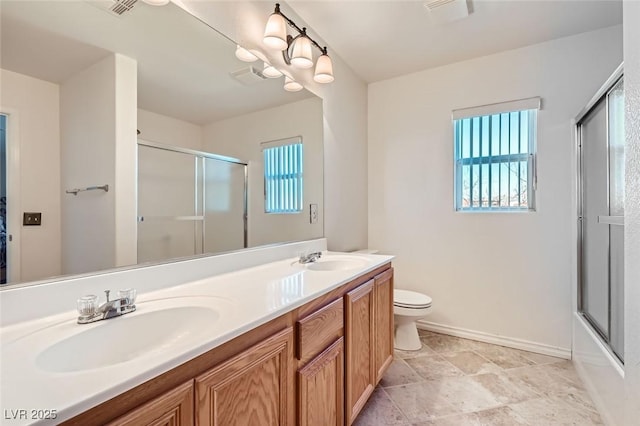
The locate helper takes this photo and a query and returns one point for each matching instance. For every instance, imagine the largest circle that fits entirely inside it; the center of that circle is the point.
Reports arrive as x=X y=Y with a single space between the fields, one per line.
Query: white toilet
x=408 y=307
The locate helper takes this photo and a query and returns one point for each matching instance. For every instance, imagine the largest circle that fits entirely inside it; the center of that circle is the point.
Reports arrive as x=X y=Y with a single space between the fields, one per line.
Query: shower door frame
x=601 y=95
x=204 y=154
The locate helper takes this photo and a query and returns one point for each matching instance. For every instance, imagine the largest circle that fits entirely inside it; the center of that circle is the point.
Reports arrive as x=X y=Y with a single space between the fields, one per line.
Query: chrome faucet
x=89 y=311
x=311 y=257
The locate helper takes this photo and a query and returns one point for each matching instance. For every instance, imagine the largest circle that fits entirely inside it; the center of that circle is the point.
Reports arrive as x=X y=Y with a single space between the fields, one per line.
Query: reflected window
x=283 y=175
x=494 y=161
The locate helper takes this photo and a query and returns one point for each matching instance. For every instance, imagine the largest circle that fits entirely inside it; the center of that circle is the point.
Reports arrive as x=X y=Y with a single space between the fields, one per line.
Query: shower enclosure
x=600 y=134
x=189 y=202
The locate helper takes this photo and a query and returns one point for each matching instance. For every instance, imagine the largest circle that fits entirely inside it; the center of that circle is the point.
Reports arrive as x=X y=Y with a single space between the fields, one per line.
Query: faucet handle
x=87 y=305
x=129 y=294
x=106 y=292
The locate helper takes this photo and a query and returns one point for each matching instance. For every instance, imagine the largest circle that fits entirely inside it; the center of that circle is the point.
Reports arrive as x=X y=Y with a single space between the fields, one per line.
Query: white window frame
x=529 y=104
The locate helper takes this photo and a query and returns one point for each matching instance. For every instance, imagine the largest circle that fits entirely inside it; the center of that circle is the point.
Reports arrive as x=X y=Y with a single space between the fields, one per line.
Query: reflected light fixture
x=244 y=55
x=270 y=71
x=290 y=85
x=156 y=2
x=297 y=51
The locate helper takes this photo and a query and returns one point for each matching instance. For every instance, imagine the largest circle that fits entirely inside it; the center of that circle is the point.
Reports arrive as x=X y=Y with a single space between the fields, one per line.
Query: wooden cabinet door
x=359 y=332
x=174 y=408
x=321 y=388
x=252 y=388
x=383 y=294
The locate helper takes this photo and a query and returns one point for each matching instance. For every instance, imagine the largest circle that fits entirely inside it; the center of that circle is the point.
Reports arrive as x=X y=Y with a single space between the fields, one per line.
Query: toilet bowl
x=408 y=307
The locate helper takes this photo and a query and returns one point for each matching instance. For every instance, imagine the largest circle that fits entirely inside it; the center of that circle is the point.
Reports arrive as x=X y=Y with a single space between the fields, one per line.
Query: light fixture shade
x=244 y=55
x=270 y=71
x=156 y=2
x=290 y=85
x=324 y=70
x=275 y=33
x=302 y=57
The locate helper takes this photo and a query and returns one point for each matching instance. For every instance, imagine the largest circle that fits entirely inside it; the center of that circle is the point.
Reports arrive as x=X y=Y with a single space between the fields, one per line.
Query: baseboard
x=510 y=342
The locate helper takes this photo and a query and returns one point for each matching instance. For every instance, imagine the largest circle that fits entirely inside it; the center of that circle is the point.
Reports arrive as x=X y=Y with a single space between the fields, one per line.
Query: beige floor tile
x=380 y=411
x=503 y=390
x=469 y=419
x=399 y=373
x=443 y=343
x=465 y=393
x=543 y=379
x=471 y=363
x=425 y=350
x=433 y=367
x=419 y=403
x=554 y=411
x=539 y=358
x=503 y=357
x=501 y=416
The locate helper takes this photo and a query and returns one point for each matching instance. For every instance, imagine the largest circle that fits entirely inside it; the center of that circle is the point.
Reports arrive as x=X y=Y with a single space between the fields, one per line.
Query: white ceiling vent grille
x=248 y=76
x=443 y=11
x=114 y=7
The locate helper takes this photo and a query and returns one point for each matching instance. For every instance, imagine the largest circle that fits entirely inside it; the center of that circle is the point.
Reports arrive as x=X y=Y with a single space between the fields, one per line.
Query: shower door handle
x=611 y=220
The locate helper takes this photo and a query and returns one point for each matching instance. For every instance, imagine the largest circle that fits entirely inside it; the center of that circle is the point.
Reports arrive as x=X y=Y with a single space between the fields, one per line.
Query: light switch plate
x=313 y=213
x=31 y=219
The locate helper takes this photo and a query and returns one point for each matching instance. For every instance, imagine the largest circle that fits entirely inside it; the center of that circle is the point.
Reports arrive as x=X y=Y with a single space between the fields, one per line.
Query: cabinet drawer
x=319 y=329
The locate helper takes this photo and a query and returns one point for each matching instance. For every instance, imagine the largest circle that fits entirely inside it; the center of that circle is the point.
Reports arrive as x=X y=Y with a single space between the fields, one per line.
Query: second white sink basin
x=150 y=329
x=337 y=263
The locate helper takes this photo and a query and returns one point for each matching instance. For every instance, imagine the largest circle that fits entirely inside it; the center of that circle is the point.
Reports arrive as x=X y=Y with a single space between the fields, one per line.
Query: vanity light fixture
x=290 y=85
x=156 y=2
x=270 y=71
x=244 y=55
x=297 y=51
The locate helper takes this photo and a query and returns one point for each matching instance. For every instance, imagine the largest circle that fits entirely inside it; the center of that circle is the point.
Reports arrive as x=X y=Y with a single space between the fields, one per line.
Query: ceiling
x=386 y=39
x=183 y=64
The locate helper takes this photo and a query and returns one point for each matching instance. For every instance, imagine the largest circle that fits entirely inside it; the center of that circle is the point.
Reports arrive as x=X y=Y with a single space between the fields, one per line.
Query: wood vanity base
x=314 y=366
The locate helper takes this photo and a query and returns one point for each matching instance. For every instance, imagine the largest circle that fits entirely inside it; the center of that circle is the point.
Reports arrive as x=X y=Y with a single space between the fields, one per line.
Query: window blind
x=283 y=176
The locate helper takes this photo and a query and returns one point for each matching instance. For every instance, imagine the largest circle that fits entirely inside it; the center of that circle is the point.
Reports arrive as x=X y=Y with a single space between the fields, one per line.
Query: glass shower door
x=225 y=205
x=601 y=134
x=169 y=225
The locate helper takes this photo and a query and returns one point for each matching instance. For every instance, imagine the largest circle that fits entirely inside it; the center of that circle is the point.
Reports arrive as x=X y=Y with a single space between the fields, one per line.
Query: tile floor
x=459 y=382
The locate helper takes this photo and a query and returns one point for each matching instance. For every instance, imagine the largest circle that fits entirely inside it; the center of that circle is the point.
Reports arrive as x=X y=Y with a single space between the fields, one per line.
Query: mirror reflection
x=173 y=143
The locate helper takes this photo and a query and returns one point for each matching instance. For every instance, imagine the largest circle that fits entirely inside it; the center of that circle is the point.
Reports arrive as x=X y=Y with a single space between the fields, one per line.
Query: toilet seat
x=410 y=299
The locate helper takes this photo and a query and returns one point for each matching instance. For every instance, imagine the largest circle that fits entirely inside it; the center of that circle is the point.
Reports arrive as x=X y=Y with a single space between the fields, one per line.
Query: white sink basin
x=155 y=326
x=337 y=263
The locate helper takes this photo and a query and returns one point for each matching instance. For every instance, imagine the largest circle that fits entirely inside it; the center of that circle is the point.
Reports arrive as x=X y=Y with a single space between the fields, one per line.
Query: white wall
x=93 y=107
x=632 y=210
x=36 y=103
x=509 y=274
x=240 y=137
x=169 y=131
x=345 y=118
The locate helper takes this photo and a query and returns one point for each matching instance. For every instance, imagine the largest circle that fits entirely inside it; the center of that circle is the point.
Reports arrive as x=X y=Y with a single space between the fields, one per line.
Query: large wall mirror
x=136 y=136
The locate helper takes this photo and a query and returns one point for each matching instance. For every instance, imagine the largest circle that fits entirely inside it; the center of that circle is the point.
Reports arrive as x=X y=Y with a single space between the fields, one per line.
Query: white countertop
x=243 y=299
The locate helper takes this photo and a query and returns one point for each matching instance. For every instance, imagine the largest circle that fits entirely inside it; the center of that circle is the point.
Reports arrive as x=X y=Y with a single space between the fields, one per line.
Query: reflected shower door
x=225 y=202
x=168 y=220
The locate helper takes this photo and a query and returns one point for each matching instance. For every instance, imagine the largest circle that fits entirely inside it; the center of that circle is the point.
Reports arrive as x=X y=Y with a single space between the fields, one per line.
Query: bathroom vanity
x=303 y=347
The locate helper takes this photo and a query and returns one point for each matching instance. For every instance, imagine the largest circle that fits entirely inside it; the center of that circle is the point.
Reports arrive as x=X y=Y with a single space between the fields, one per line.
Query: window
x=283 y=183
x=495 y=156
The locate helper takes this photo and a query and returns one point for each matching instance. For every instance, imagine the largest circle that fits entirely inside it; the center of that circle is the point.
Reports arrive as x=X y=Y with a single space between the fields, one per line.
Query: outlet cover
x=31 y=219
x=313 y=213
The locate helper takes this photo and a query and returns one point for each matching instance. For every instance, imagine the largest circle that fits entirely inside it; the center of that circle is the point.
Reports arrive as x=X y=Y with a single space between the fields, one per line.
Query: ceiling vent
x=444 y=11
x=114 y=7
x=248 y=76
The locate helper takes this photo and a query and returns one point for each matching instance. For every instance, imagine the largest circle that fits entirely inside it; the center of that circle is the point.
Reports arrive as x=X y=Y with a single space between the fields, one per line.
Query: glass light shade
x=156 y=2
x=275 y=33
x=270 y=71
x=290 y=85
x=244 y=55
x=302 y=56
x=324 y=70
